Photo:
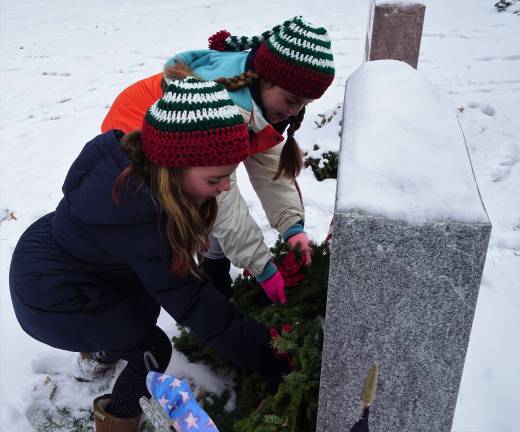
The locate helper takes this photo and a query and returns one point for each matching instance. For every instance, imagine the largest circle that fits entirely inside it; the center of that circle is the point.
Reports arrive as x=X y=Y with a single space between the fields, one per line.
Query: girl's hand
x=303 y=241
x=274 y=288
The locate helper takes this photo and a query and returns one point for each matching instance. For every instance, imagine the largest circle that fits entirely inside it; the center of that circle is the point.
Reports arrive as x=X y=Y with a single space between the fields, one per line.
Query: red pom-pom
x=218 y=40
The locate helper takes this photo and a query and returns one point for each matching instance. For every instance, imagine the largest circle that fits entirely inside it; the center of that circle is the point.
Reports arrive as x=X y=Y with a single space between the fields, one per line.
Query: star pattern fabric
x=191 y=421
x=176 y=383
x=179 y=403
x=185 y=396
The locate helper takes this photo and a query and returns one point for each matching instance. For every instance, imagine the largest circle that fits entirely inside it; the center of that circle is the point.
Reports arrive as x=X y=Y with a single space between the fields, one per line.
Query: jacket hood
x=88 y=186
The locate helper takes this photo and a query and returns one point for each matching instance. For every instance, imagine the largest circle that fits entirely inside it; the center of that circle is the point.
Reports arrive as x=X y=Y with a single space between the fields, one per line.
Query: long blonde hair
x=187 y=225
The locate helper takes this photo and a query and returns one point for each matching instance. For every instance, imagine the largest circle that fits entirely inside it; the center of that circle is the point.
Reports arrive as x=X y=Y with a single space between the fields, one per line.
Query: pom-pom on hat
x=195 y=123
x=295 y=55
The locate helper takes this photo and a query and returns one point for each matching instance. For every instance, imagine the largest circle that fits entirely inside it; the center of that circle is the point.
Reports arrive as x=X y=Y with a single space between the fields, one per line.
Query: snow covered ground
x=62 y=63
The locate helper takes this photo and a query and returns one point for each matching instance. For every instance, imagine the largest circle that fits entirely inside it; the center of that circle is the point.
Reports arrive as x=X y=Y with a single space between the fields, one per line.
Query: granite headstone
x=394 y=31
x=409 y=242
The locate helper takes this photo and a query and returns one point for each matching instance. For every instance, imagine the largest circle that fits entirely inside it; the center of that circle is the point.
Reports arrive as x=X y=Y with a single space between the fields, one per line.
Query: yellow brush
x=369 y=389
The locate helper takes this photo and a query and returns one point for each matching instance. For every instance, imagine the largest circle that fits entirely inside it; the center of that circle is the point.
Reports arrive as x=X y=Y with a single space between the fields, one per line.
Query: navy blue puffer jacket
x=92 y=275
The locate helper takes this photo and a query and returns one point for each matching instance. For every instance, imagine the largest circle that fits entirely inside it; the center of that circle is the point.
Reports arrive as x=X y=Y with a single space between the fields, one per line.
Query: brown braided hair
x=239 y=81
x=178 y=71
x=187 y=225
x=291 y=159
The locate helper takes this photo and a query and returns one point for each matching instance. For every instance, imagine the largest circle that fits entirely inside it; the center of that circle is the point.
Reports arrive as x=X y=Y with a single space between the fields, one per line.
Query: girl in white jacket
x=271 y=78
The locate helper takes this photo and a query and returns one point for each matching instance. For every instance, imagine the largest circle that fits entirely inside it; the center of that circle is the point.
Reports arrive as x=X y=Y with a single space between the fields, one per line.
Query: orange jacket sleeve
x=130 y=106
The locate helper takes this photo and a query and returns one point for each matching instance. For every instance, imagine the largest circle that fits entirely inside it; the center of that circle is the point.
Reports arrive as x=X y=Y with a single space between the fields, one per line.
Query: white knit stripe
x=196 y=97
x=228 y=41
x=237 y=44
x=299 y=19
x=191 y=84
x=296 y=28
x=194 y=116
x=303 y=43
x=304 y=58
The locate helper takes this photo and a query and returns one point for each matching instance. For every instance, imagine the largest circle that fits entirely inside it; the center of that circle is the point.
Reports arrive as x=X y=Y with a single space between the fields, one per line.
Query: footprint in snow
x=487 y=109
x=57 y=73
x=484 y=108
x=507 y=57
x=510 y=157
x=486 y=58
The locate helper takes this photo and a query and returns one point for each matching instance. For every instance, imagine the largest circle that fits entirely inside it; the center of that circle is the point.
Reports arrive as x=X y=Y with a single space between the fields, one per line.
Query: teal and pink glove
x=303 y=241
x=274 y=287
x=271 y=281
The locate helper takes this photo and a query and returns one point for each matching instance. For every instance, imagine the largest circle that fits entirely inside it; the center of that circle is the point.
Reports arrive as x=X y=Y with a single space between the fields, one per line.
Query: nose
x=224 y=185
x=295 y=109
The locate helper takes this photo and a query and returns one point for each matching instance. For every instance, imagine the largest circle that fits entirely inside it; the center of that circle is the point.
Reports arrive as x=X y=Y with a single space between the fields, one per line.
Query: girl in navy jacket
x=92 y=276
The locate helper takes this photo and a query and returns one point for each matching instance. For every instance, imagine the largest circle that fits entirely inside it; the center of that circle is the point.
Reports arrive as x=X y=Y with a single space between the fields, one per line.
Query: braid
x=180 y=71
x=238 y=81
x=177 y=71
x=291 y=159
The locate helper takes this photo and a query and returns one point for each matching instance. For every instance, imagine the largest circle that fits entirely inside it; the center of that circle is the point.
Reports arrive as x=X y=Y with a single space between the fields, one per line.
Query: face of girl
x=203 y=183
x=280 y=104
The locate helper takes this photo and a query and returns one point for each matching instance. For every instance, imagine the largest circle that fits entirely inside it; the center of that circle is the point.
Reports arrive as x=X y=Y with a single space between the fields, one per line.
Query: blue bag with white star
x=173 y=406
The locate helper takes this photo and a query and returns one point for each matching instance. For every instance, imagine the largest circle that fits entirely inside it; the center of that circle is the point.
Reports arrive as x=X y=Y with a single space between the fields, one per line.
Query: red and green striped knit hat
x=195 y=123
x=296 y=56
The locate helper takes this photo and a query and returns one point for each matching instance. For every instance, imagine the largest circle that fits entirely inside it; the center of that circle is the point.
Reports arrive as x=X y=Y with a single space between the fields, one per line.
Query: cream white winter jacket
x=239 y=236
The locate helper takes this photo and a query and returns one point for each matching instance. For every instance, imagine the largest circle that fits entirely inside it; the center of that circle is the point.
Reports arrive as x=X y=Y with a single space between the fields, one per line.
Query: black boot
x=217 y=271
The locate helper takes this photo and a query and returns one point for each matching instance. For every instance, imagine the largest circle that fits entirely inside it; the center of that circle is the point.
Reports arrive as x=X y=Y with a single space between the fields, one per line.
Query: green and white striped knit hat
x=295 y=55
x=194 y=123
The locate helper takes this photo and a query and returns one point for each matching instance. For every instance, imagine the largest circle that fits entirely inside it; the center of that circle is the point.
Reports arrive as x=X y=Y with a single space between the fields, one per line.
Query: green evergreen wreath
x=296 y=329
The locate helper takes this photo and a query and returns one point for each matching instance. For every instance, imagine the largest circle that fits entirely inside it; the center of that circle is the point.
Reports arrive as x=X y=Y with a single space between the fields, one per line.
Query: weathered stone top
x=403 y=153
